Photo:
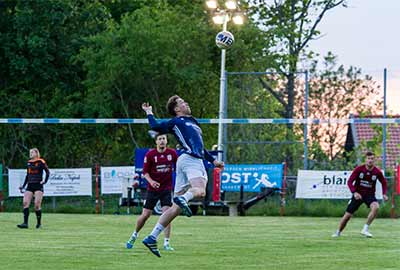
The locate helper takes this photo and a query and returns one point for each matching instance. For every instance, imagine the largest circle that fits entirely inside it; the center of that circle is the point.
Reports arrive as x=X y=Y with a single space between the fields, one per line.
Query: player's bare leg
x=371 y=216
x=342 y=224
x=197 y=190
x=28 y=195
x=146 y=213
x=167 y=233
x=38 y=208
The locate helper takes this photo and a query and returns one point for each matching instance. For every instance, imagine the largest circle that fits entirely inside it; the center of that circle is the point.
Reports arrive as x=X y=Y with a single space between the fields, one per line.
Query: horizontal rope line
x=201 y=120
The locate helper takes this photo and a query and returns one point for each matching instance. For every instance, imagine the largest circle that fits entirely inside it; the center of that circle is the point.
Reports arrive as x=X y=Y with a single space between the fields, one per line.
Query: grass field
x=70 y=241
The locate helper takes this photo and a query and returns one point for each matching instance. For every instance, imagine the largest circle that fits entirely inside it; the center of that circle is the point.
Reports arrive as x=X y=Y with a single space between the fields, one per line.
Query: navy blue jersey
x=187 y=131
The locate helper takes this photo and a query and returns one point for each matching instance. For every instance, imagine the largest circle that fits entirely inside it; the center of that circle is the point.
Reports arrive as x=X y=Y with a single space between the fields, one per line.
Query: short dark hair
x=369 y=153
x=160 y=134
x=171 y=104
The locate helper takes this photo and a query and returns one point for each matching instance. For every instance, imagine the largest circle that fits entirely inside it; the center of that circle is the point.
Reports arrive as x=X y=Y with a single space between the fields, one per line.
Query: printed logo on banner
x=252 y=177
x=115 y=179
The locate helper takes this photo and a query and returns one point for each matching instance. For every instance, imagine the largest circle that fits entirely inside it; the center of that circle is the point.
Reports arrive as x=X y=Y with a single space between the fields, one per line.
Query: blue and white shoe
x=130 y=243
x=151 y=243
x=182 y=203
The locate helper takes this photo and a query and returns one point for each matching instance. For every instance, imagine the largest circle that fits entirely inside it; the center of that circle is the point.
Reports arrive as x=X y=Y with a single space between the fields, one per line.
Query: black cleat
x=38 y=226
x=23 y=226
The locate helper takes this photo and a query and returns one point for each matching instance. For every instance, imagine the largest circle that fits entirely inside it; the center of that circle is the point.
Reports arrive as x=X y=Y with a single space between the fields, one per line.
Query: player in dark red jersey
x=35 y=182
x=158 y=166
x=362 y=183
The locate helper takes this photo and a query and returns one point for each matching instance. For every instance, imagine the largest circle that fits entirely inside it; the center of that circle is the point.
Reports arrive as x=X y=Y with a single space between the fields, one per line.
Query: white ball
x=224 y=40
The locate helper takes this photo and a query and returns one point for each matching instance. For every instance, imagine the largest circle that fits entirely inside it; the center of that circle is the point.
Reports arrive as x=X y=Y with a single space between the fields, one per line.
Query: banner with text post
x=252 y=177
x=62 y=182
x=113 y=178
x=326 y=185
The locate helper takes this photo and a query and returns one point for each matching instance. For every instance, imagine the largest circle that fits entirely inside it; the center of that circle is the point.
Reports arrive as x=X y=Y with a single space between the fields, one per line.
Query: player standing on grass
x=362 y=183
x=159 y=164
x=191 y=176
x=35 y=182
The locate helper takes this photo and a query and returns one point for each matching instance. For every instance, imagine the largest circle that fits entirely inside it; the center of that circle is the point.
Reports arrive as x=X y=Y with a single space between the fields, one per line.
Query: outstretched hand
x=219 y=164
x=147 y=108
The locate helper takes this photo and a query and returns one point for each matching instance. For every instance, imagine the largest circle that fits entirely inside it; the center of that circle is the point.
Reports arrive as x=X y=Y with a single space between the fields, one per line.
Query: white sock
x=188 y=196
x=166 y=241
x=158 y=228
x=134 y=235
x=366 y=227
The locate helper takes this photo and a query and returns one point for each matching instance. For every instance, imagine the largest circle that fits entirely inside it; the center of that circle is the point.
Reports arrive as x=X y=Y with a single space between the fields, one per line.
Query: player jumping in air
x=191 y=176
x=362 y=184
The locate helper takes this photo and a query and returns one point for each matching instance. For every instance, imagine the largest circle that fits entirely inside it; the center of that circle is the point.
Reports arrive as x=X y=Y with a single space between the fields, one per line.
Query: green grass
x=70 y=241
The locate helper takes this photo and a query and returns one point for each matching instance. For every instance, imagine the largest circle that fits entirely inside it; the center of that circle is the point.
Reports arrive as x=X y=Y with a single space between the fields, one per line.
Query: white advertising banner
x=62 y=182
x=113 y=179
x=326 y=185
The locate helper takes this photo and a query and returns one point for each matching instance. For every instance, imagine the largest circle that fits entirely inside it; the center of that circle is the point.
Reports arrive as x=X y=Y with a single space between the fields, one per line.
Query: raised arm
x=160 y=126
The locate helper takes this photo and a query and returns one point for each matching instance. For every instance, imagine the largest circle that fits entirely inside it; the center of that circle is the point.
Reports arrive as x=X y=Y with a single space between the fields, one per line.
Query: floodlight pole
x=222 y=94
x=384 y=116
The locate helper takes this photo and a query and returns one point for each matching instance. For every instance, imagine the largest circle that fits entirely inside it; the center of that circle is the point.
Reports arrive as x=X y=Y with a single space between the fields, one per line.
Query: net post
x=283 y=192
x=97 y=189
x=216 y=193
x=395 y=188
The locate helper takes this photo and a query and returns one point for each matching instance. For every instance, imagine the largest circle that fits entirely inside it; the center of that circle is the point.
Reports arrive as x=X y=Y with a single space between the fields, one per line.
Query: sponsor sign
x=252 y=177
x=326 y=185
x=113 y=178
x=62 y=182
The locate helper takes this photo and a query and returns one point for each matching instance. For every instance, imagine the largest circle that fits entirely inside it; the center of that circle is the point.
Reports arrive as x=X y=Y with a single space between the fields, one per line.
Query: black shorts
x=355 y=204
x=152 y=198
x=34 y=187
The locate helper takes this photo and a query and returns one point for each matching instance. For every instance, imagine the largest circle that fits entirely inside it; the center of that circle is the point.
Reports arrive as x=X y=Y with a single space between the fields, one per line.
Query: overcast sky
x=366 y=35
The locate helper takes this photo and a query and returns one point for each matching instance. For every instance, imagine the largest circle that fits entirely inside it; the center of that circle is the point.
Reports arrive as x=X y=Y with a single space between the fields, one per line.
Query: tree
x=291 y=24
x=337 y=93
x=39 y=76
x=156 y=52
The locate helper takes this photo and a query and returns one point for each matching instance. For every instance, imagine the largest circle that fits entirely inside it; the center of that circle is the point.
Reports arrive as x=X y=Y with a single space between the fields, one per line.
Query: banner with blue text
x=252 y=177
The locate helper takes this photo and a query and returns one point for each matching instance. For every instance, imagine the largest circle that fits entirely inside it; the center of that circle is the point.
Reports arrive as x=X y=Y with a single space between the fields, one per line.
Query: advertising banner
x=62 y=182
x=252 y=177
x=326 y=185
x=112 y=178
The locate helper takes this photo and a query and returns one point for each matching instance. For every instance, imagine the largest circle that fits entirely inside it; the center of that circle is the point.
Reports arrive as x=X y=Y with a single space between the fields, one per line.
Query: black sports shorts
x=34 y=187
x=152 y=198
x=355 y=204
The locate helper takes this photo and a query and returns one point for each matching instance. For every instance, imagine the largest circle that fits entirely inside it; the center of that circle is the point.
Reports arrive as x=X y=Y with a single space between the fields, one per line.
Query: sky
x=366 y=35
